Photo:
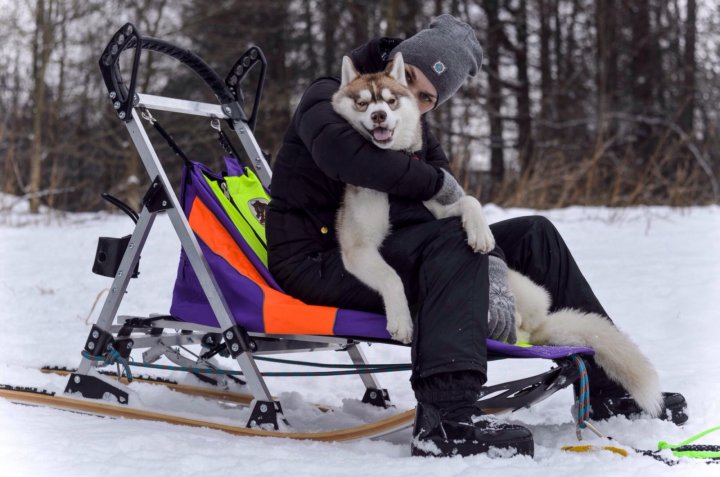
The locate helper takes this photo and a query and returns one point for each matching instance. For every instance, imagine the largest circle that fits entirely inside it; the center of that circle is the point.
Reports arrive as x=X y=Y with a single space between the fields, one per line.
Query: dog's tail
x=614 y=352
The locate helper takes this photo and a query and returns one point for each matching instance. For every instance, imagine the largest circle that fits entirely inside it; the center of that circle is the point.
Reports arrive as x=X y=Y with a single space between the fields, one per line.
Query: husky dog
x=382 y=109
x=614 y=351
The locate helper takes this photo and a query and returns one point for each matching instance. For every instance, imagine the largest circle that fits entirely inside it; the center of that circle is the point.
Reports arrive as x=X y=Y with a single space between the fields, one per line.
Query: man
x=458 y=298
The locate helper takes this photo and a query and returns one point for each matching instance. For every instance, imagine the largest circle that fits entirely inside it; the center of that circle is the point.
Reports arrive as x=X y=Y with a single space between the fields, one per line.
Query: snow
x=655 y=269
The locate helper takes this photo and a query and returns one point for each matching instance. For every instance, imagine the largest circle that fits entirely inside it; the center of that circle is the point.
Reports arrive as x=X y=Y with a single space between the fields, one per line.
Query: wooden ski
x=33 y=396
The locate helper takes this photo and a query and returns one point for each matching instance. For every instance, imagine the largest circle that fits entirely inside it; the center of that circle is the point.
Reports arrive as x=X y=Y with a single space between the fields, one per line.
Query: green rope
x=696 y=451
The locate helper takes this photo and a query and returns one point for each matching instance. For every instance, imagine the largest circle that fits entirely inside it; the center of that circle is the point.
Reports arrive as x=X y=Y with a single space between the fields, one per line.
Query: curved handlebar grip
x=195 y=63
x=239 y=71
x=127 y=37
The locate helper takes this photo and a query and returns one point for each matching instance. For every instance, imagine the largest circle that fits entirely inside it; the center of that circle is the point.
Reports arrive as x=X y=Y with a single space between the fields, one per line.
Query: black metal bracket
x=237 y=341
x=124 y=347
x=266 y=413
x=144 y=324
x=247 y=61
x=377 y=397
x=121 y=97
x=99 y=342
x=156 y=198
x=94 y=388
x=515 y=395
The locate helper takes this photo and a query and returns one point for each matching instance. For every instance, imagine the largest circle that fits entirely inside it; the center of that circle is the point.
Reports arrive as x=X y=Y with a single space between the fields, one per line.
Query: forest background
x=589 y=102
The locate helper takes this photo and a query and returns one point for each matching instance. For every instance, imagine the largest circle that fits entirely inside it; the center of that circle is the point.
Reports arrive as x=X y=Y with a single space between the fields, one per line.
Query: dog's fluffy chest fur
x=367 y=207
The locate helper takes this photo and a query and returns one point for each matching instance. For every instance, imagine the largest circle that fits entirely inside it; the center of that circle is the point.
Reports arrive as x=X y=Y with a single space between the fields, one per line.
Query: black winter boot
x=608 y=399
x=613 y=400
x=606 y=403
x=461 y=428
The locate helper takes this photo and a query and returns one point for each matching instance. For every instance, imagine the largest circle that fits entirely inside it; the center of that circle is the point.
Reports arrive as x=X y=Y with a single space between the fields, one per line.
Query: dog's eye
x=408 y=78
x=392 y=101
x=361 y=104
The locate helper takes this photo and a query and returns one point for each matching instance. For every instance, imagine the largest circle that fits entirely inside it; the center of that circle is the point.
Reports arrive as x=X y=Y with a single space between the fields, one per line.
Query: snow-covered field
x=656 y=271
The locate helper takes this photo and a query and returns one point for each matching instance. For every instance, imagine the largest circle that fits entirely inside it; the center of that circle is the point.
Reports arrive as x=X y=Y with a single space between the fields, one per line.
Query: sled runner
x=225 y=302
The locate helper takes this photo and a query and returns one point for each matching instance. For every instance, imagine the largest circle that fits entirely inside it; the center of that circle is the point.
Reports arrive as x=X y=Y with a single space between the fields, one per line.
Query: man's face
x=421 y=87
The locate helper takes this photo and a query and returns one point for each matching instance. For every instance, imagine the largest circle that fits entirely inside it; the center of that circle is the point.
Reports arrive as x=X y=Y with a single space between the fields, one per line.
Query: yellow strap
x=591 y=448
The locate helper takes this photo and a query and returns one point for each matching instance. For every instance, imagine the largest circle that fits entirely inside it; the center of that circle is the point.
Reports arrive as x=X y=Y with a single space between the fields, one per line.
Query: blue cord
x=583 y=395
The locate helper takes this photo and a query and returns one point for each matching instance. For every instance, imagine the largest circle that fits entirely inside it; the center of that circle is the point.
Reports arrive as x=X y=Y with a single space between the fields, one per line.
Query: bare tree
x=494 y=101
x=42 y=44
x=690 y=68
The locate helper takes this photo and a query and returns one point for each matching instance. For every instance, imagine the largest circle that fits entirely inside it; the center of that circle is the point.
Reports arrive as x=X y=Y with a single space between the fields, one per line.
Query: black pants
x=447 y=287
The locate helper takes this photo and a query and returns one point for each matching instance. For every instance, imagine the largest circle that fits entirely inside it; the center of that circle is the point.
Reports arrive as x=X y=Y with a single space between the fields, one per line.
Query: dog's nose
x=378 y=116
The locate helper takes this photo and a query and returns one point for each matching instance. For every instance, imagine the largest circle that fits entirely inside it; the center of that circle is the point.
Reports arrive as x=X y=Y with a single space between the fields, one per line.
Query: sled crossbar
x=173 y=105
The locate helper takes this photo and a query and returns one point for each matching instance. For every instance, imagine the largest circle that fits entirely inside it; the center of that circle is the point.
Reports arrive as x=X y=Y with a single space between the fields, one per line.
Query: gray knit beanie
x=447 y=52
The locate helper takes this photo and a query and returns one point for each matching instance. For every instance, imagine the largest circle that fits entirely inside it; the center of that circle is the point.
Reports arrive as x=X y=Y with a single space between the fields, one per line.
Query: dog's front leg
x=468 y=208
x=366 y=263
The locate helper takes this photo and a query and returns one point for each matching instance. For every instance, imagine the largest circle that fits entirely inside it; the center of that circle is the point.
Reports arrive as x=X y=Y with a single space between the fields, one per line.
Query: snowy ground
x=654 y=269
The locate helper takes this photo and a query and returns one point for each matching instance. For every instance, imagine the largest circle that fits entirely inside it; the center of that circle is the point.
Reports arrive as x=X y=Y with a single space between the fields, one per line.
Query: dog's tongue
x=381 y=134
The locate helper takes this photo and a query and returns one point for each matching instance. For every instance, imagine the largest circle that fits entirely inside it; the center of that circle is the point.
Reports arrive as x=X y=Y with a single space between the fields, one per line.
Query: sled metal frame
x=155 y=336
x=128 y=103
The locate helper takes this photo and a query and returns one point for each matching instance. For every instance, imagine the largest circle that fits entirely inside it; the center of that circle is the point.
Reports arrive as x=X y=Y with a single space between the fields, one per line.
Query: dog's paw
x=480 y=237
x=400 y=330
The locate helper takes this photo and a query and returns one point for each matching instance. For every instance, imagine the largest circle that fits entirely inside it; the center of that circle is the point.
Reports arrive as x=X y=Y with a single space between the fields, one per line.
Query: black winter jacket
x=321 y=152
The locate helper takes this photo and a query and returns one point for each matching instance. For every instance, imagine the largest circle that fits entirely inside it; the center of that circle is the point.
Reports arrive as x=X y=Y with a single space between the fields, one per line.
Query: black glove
x=501 y=307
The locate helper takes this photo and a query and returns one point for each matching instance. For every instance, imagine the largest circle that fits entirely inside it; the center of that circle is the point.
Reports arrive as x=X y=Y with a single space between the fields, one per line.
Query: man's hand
x=501 y=306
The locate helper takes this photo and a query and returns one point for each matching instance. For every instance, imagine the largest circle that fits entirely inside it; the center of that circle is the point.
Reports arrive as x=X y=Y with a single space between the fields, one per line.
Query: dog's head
x=380 y=105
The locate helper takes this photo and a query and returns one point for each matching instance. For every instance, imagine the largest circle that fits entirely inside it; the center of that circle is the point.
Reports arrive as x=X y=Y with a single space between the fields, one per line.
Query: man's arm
x=435 y=155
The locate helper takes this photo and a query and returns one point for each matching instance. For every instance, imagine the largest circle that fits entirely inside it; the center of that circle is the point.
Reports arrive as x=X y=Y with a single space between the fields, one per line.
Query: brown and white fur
x=615 y=352
x=363 y=223
x=382 y=109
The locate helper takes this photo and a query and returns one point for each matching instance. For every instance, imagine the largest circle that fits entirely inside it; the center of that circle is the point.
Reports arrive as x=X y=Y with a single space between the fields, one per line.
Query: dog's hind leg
x=366 y=263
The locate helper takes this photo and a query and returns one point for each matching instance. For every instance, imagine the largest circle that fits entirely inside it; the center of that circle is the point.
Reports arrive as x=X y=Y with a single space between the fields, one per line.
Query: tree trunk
x=391 y=16
x=525 y=140
x=546 y=79
x=641 y=64
x=329 y=26
x=494 y=102
x=690 y=67
x=42 y=40
x=309 y=38
x=54 y=123
x=360 y=13
x=606 y=60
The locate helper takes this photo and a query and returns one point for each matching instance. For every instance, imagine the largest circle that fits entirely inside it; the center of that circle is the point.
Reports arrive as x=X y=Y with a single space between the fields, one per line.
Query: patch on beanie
x=439 y=67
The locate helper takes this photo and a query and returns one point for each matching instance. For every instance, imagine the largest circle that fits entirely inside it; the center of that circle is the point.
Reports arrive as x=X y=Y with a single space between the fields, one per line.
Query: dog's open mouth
x=382 y=135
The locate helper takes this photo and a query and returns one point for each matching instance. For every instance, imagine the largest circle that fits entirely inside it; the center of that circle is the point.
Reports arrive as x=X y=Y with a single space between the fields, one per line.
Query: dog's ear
x=349 y=72
x=396 y=69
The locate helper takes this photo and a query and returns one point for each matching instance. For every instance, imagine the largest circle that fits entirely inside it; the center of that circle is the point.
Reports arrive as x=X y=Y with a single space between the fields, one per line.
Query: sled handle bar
x=124 y=98
x=247 y=61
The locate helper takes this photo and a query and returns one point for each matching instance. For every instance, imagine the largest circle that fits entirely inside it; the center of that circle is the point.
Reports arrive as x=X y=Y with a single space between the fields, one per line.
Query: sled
x=225 y=301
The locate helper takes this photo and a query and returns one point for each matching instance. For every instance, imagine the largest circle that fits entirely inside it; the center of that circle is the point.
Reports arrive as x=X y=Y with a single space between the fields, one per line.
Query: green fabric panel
x=244 y=191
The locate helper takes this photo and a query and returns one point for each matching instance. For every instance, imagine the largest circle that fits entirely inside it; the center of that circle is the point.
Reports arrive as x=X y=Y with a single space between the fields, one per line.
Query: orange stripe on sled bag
x=282 y=314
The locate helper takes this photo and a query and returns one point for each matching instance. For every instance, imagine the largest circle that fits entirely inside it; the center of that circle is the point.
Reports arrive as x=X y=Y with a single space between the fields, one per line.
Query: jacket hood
x=373 y=55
